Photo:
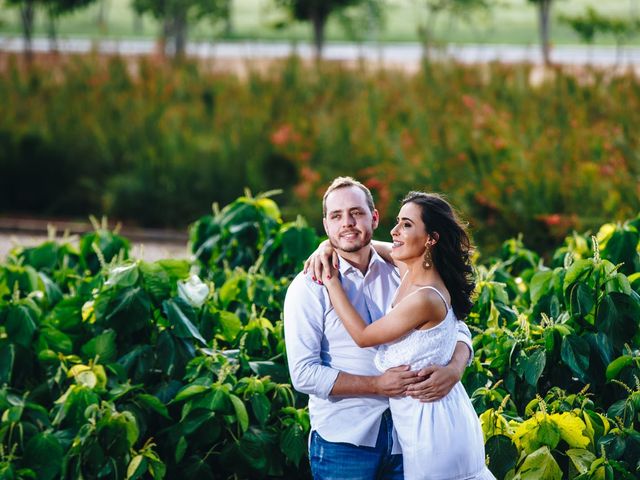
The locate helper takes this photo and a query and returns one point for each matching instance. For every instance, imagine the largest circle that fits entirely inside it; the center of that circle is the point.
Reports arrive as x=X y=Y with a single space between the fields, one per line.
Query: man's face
x=349 y=223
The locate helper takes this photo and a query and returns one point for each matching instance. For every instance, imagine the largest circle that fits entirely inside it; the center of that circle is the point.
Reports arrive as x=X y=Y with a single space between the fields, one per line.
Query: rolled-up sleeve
x=464 y=336
x=303 y=333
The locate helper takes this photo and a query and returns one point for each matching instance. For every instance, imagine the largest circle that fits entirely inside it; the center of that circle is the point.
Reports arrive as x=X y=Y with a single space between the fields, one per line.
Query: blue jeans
x=343 y=461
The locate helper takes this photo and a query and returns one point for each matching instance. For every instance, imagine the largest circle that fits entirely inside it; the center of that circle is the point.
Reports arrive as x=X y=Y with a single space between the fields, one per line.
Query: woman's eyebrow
x=405 y=219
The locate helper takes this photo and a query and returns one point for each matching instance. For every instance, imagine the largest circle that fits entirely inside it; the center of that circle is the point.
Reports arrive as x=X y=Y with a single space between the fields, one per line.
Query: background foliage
x=114 y=368
x=149 y=142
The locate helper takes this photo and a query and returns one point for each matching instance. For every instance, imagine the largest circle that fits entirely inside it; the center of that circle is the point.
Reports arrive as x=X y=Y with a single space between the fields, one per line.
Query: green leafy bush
x=115 y=368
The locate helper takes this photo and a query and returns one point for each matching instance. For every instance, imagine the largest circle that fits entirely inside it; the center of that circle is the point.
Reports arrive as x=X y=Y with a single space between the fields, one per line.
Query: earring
x=428 y=261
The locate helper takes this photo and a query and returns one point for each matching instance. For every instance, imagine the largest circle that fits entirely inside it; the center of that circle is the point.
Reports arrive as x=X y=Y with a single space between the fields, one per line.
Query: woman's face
x=409 y=235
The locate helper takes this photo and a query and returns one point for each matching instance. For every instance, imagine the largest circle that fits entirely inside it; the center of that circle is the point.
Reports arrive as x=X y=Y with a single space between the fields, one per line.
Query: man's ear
x=375 y=218
x=324 y=224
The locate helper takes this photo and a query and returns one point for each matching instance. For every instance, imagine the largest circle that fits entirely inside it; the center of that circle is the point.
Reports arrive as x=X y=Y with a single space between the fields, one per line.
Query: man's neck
x=359 y=259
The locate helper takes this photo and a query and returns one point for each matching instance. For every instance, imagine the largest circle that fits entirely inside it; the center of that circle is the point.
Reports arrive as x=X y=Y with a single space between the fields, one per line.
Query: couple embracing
x=373 y=337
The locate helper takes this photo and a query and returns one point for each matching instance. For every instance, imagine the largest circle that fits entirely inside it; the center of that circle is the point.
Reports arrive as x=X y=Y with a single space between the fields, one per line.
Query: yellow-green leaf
x=572 y=429
x=537 y=431
x=581 y=459
x=539 y=465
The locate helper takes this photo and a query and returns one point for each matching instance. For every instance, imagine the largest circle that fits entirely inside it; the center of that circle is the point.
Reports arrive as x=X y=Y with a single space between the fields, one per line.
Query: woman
x=442 y=439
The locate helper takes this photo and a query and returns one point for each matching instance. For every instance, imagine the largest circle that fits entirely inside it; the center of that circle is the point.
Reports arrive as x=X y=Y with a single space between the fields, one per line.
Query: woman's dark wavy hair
x=452 y=252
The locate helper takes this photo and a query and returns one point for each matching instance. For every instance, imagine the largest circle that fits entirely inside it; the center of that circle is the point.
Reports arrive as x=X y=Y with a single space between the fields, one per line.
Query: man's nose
x=349 y=220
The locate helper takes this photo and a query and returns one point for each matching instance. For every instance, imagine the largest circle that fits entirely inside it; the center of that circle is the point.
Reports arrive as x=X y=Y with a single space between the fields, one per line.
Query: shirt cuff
x=326 y=382
x=467 y=341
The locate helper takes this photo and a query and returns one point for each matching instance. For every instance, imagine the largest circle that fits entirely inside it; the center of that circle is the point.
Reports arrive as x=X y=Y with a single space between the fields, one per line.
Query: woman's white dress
x=441 y=439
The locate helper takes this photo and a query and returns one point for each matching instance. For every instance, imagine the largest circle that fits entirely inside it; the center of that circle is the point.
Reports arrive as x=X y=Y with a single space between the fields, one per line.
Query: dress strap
x=439 y=294
x=422 y=288
x=435 y=290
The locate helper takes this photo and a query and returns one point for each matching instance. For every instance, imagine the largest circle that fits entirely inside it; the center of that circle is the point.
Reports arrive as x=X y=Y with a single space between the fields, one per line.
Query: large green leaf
x=21 y=324
x=156 y=280
x=241 y=412
x=129 y=311
x=256 y=446
x=123 y=275
x=293 y=443
x=103 y=346
x=118 y=432
x=180 y=315
x=230 y=325
x=26 y=278
x=190 y=391
x=72 y=406
x=173 y=353
x=56 y=340
x=622 y=247
x=42 y=257
x=581 y=299
x=540 y=285
x=614 y=445
x=195 y=419
x=534 y=366
x=618 y=317
x=67 y=314
x=601 y=343
x=277 y=371
x=575 y=353
x=614 y=368
x=502 y=454
x=261 y=407
x=106 y=242
x=51 y=289
x=580 y=269
x=43 y=454
x=153 y=403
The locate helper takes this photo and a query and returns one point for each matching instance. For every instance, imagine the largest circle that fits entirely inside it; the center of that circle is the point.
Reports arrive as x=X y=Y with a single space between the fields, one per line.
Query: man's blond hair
x=345 y=182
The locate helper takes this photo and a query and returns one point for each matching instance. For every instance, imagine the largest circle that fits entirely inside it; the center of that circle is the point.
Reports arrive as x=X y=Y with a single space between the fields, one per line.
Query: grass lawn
x=514 y=21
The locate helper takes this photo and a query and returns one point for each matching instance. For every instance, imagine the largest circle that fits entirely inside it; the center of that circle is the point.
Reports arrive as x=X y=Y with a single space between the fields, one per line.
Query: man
x=352 y=435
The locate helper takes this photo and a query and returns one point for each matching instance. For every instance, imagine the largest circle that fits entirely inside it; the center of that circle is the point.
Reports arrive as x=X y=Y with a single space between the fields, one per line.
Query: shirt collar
x=345 y=267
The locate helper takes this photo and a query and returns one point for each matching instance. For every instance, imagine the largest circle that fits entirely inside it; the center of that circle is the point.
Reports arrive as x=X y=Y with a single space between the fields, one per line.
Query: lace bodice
x=421 y=348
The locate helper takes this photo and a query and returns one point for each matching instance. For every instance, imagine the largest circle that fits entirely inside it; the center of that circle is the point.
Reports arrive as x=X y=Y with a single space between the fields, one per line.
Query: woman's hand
x=331 y=279
x=321 y=261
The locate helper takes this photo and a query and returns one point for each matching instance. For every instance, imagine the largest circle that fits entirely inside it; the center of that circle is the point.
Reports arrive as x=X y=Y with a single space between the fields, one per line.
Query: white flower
x=193 y=291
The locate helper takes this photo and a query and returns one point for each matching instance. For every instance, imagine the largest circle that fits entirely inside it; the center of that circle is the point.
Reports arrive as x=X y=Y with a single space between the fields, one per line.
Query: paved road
x=148 y=244
x=148 y=250
x=392 y=54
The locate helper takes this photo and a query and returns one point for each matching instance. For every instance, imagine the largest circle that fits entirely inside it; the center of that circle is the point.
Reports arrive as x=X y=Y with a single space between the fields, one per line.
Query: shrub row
x=151 y=142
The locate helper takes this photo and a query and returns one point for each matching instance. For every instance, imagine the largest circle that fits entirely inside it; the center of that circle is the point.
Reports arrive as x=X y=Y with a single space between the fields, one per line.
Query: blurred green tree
x=592 y=23
x=585 y=25
x=175 y=16
x=54 y=9
x=363 y=22
x=317 y=12
x=57 y=8
x=462 y=9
